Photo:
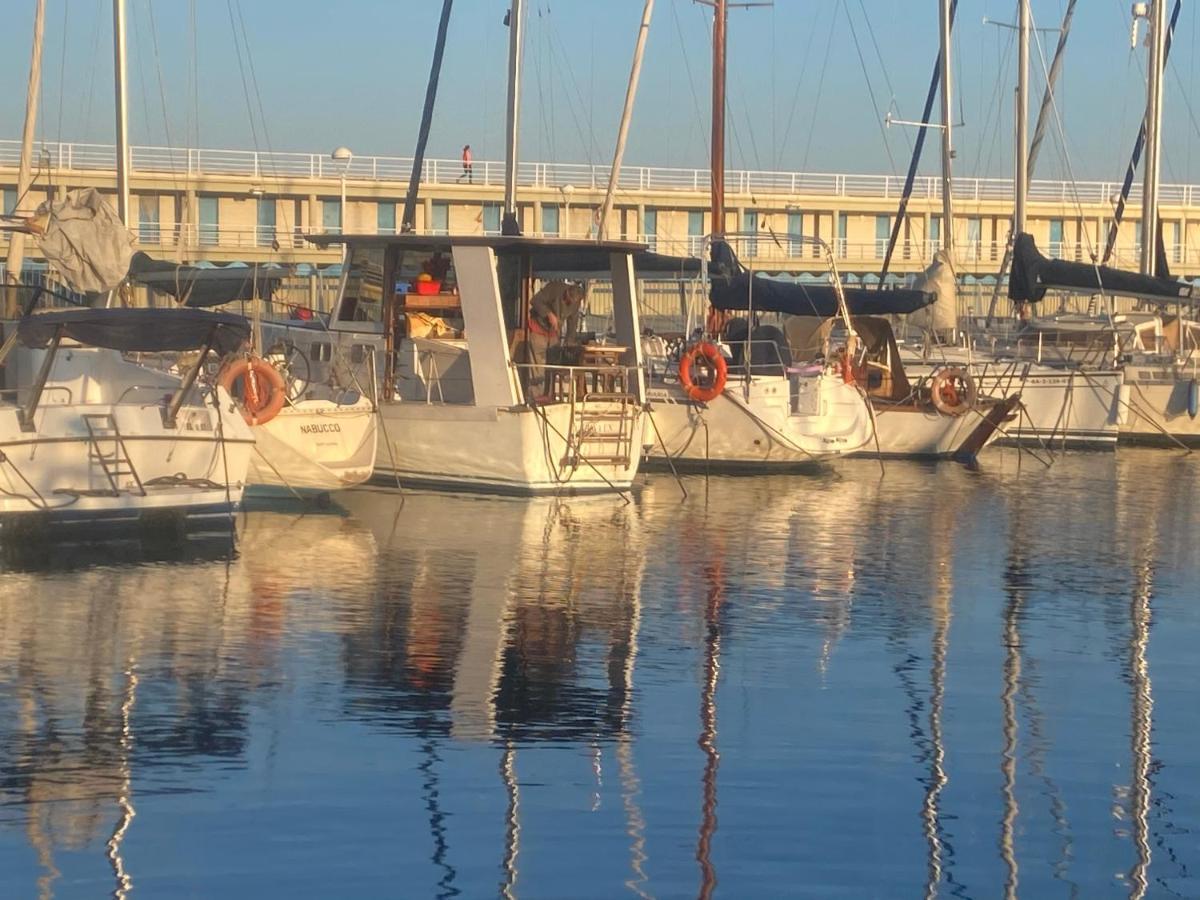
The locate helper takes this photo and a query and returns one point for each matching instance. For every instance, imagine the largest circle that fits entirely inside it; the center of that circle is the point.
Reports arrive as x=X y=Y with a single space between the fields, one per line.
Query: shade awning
x=137 y=330
x=744 y=292
x=200 y=287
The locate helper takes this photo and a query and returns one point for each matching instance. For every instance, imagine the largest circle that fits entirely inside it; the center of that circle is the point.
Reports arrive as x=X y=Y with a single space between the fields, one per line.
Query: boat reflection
x=138 y=666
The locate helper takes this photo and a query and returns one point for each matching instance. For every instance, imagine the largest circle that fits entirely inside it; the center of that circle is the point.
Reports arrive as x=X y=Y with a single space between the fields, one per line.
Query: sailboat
x=466 y=401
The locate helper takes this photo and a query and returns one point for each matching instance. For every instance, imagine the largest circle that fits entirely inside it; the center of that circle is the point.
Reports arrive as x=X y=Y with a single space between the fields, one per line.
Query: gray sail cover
x=85 y=241
x=939 y=280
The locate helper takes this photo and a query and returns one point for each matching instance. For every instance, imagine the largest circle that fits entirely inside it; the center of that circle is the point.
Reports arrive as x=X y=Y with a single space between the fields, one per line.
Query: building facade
x=237 y=205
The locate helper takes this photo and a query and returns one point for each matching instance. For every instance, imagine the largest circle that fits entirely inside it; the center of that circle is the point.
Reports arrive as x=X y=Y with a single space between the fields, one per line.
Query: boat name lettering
x=320 y=429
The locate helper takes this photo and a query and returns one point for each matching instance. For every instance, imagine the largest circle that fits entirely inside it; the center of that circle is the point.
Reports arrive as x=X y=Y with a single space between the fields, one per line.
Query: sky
x=810 y=81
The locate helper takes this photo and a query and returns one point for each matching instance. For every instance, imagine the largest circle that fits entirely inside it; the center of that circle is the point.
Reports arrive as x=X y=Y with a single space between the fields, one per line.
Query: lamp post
x=341 y=158
x=567 y=190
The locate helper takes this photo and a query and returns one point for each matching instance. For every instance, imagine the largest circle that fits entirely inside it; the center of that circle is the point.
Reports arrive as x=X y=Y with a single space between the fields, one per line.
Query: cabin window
x=440 y=217
x=491 y=218
x=320 y=351
x=148 y=227
x=550 y=224
x=265 y=233
x=362 y=298
x=385 y=218
x=210 y=220
x=331 y=216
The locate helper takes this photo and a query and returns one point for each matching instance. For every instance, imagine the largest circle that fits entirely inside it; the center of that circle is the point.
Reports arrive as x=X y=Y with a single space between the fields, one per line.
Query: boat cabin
x=492 y=321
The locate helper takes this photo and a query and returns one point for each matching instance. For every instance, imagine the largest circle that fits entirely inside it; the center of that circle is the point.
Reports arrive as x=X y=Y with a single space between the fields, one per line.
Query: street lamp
x=567 y=190
x=341 y=159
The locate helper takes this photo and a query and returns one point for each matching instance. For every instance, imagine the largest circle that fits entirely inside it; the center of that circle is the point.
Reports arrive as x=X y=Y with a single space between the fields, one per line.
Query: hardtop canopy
x=137 y=330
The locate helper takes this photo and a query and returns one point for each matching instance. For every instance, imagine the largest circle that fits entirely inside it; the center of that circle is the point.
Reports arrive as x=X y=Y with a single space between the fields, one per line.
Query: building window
x=8 y=201
x=491 y=218
x=1056 y=238
x=550 y=224
x=210 y=220
x=148 y=225
x=331 y=216
x=439 y=217
x=650 y=228
x=695 y=231
x=264 y=230
x=935 y=234
x=385 y=218
x=974 y=237
x=750 y=226
x=795 y=230
x=883 y=234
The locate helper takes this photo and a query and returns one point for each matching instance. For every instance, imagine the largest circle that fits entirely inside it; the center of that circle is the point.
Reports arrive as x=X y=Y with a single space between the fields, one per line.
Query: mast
x=1022 y=174
x=516 y=18
x=626 y=116
x=717 y=164
x=1154 y=100
x=409 y=220
x=947 y=129
x=122 y=111
x=16 y=247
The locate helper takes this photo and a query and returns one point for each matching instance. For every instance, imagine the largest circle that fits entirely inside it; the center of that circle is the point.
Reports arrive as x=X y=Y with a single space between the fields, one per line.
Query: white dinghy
x=89 y=435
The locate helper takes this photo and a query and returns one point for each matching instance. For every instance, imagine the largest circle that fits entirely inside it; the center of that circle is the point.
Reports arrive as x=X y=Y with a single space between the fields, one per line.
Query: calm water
x=941 y=682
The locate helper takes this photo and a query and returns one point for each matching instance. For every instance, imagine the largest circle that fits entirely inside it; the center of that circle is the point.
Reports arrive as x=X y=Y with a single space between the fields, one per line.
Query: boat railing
x=549 y=383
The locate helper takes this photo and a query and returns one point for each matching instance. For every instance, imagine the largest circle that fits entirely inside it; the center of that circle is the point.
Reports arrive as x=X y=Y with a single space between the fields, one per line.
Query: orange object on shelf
x=427 y=287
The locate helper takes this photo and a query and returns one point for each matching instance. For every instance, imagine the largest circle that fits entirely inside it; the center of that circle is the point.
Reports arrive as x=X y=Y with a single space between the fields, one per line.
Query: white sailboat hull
x=52 y=474
x=520 y=449
x=907 y=431
x=314 y=446
x=1155 y=407
x=775 y=421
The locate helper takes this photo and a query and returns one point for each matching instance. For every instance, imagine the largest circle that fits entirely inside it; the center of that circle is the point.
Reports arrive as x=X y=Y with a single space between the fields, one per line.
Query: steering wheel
x=295 y=367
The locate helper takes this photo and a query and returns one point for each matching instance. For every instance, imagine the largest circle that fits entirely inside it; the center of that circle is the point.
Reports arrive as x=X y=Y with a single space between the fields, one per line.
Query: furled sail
x=1034 y=274
x=938 y=279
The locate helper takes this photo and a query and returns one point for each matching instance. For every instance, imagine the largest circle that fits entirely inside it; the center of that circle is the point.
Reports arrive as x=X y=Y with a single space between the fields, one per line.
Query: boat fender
x=953 y=391
x=703 y=372
x=263 y=392
x=1193 y=397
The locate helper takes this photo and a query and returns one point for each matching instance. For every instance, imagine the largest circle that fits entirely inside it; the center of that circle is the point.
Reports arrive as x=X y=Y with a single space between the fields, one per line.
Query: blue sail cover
x=734 y=289
x=1034 y=274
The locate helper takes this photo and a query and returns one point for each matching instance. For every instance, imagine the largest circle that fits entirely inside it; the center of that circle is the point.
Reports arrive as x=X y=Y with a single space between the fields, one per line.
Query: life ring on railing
x=708 y=385
x=262 y=393
x=953 y=391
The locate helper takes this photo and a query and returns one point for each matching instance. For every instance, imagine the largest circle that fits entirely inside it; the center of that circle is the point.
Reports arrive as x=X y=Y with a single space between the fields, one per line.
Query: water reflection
x=747 y=691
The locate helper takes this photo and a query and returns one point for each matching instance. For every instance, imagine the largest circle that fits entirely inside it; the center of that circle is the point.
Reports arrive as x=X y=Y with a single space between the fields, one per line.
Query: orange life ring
x=708 y=386
x=953 y=391
x=262 y=393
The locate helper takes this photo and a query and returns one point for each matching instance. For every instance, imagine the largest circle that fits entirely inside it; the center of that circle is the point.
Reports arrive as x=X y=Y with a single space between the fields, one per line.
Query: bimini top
x=195 y=286
x=1034 y=274
x=735 y=289
x=137 y=330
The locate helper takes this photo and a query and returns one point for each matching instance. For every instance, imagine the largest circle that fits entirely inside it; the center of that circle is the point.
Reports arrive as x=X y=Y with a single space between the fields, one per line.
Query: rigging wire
x=883 y=68
x=871 y=90
x=162 y=96
x=686 y=62
x=800 y=81
x=91 y=82
x=62 y=80
x=820 y=88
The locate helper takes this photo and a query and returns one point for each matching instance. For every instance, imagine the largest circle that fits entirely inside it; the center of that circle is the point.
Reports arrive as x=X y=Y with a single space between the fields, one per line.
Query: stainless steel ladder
x=116 y=464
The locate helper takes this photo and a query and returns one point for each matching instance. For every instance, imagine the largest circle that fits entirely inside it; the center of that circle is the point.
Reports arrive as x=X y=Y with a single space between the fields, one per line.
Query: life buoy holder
x=953 y=391
x=703 y=372
x=262 y=392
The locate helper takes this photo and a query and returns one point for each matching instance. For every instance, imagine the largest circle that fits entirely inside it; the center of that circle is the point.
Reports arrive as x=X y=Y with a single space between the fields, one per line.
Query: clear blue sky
x=353 y=72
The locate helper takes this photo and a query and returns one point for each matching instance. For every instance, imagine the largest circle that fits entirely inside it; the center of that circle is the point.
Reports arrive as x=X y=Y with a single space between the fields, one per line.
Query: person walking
x=466 y=161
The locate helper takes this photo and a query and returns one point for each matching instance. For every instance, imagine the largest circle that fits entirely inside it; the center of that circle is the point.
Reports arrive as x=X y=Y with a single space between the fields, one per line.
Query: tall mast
x=516 y=19
x=1154 y=99
x=122 y=111
x=626 y=115
x=1022 y=173
x=947 y=129
x=16 y=247
x=409 y=219
x=720 y=19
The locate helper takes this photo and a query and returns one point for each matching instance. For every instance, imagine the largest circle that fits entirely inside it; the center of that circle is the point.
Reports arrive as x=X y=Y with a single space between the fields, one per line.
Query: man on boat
x=554 y=316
